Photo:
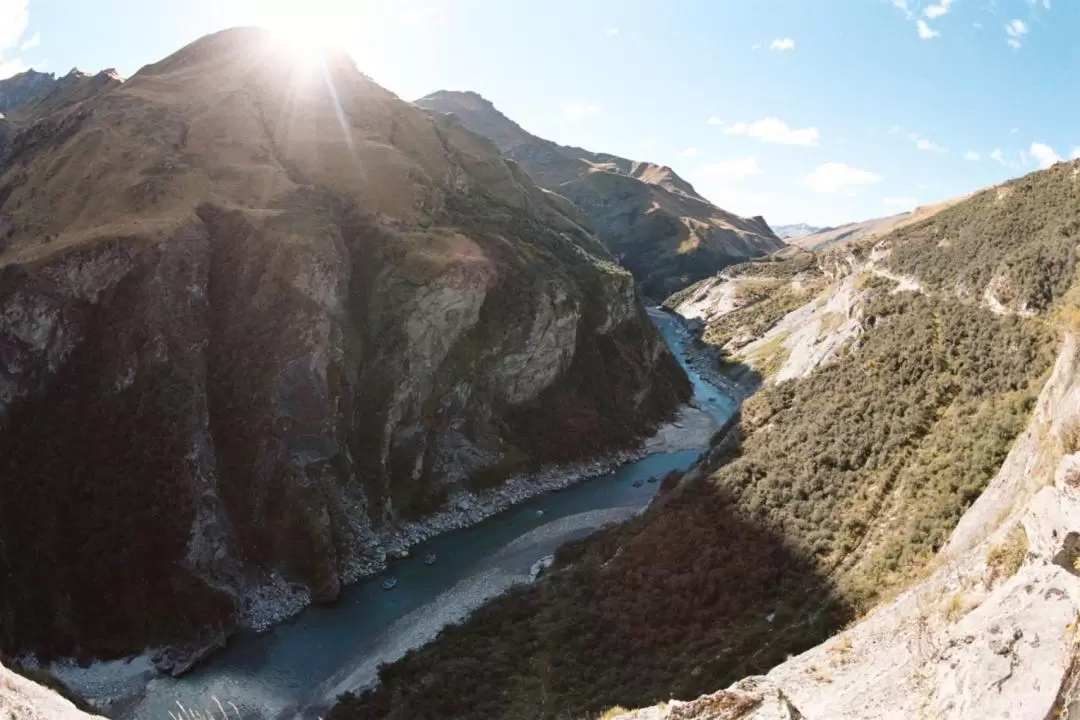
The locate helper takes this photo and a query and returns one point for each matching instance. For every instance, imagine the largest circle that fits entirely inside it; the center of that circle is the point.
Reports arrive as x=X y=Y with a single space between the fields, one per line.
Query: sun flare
x=309 y=32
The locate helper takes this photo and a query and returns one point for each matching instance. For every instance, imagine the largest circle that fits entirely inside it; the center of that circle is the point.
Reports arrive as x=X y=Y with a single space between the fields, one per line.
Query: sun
x=308 y=29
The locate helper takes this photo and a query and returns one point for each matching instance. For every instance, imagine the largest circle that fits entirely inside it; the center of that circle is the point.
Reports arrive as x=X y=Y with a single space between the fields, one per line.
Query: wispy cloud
x=755 y=46
x=925 y=31
x=926 y=145
x=14 y=17
x=576 y=111
x=1044 y=3
x=689 y=152
x=611 y=31
x=1075 y=154
x=998 y=155
x=733 y=168
x=1045 y=155
x=902 y=201
x=972 y=156
x=714 y=120
x=903 y=6
x=11 y=67
x=936 y=11
x=774 y=130
x=782 y=45
x=32 y=42
x=1015 y=30
x=837 y=178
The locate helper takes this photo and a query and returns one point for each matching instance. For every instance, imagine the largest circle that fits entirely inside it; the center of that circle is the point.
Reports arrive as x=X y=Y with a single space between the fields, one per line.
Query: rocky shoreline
x=276 y=600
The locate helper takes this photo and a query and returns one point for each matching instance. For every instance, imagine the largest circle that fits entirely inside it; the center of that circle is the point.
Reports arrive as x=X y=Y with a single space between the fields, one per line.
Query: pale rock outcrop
x=23 y=699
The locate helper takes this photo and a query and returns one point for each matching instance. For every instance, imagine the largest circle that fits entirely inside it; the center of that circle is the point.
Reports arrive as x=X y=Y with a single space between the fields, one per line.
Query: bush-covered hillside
x=844 y=485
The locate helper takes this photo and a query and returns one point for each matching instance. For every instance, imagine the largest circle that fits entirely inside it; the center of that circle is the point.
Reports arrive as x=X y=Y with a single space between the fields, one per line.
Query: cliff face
x=252 y=313
x=652 y=220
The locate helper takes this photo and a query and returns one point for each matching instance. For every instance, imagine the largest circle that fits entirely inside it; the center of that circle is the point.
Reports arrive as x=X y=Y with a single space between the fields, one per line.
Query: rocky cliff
x=253 y=313
x=652 y=220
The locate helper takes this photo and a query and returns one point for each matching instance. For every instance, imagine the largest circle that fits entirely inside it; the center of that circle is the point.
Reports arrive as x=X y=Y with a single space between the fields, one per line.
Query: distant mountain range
x=651 y=219
x=798 y=230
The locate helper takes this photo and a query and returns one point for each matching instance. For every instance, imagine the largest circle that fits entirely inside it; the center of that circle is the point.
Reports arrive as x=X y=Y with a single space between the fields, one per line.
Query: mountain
x=254 y=316
x=835 y=237
x=888 y=529
x=18 y=90
x=653 y=221
x=787 y=232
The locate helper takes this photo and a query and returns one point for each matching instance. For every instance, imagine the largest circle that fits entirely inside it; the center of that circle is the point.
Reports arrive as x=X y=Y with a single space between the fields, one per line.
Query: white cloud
x=14 y=17
x=977 y=26
x=33 y=42
x=1016 y=29
x=1045 y=155
x=904 y=201
x=782 y=45
x=689 y=152
x=834 y=178
x=611 y=31
x=733 y=169
x=902 y=5
x=576 y=112
x=998 y=156
x=972 y=156
x=11 y=67
x=714 y=120
x=774 y=130
x=925 y=31
x=926 y=145
x=936 y=11
x=1075 y=154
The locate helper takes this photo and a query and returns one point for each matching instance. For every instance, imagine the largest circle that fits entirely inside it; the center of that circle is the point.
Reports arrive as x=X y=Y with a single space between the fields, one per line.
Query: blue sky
x=820 y=111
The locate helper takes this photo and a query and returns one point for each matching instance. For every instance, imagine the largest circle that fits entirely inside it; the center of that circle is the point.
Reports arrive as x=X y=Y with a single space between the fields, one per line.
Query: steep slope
x=652 y=220
x=859 y=480
x=254 y=313
x=989 y=631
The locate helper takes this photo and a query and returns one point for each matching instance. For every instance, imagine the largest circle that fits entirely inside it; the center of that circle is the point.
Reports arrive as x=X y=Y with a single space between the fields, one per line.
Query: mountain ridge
x=651 y=219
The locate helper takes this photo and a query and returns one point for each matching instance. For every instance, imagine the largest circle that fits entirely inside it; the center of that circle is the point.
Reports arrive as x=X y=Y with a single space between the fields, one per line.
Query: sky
x=817 y=111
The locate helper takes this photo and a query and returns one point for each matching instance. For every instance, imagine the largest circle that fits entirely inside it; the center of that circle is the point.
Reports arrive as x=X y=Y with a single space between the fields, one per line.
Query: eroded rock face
x=247 y=346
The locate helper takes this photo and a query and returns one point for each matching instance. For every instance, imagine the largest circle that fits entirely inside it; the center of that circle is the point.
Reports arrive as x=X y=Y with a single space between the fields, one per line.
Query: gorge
x=318 y=403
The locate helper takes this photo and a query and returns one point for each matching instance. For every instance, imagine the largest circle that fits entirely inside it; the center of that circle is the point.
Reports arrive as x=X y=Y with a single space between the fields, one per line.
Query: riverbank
x=513 y=565
x=276 y=602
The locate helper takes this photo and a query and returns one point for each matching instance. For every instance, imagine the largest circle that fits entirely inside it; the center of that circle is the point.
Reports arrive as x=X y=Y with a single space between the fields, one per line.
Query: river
x=326 y=650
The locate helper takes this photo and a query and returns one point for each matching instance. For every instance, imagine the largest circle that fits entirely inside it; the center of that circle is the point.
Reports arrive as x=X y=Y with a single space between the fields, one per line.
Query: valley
x=320 y=403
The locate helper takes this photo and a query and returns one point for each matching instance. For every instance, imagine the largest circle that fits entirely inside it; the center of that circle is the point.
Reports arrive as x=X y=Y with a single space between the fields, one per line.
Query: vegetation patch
x=1007 y=558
